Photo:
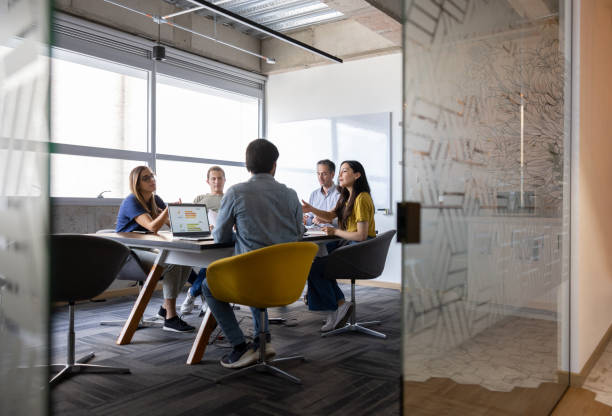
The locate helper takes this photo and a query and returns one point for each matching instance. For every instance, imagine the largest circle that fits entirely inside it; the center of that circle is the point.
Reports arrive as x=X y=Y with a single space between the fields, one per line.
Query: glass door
x=486 y=154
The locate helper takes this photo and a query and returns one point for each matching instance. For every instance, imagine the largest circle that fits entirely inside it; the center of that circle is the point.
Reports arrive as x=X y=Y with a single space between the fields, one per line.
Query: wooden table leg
x=131 y=325
x=208 y=325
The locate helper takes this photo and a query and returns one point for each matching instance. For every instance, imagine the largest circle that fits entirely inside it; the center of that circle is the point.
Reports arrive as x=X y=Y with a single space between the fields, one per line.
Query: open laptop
x=189 y=222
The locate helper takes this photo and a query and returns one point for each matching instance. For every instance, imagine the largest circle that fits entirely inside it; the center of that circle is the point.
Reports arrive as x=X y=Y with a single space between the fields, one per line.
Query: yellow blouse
x=363 y=210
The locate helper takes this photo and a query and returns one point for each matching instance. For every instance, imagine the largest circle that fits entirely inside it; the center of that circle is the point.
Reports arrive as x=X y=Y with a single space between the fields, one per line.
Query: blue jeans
x=223 y=313
x=323 y=294
x=196 y=286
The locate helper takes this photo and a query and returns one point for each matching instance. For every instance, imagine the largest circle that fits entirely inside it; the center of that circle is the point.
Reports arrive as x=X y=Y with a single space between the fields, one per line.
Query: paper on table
x=212 y=217
x=314 y=232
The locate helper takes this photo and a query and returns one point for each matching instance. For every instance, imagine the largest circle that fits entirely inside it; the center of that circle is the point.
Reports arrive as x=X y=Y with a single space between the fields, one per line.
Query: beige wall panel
x=594 y=225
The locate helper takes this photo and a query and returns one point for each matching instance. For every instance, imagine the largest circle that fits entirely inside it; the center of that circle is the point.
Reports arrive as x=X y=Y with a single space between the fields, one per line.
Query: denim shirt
x=264 y=212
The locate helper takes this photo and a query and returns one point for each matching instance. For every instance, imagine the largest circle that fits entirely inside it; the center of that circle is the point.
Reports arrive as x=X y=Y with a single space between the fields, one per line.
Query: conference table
x=185 y=253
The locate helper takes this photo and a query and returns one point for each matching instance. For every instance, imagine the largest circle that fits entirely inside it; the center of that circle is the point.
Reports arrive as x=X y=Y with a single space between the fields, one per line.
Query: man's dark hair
x=330 y=165
x=260 y=156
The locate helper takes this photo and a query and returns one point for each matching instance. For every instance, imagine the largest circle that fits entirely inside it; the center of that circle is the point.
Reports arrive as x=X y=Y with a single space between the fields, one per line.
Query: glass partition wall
x=486 y=154
x=24 y=207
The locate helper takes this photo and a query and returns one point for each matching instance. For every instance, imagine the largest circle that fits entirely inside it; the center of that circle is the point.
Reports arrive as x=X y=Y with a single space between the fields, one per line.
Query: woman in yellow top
x=355 y=213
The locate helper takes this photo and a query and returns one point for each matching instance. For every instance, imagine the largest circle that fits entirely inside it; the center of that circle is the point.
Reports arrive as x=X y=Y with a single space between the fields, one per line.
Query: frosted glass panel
x=24 y=207
x=486 y=154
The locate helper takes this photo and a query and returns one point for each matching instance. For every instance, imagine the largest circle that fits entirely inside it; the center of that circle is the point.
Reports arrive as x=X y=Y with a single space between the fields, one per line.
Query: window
x=87 y=177
x=186 y=180
x=98 y=103
x=101 y=92
x=198 y=121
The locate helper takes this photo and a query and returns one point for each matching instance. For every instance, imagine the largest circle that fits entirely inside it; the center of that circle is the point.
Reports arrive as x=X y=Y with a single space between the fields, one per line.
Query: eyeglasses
x=147 y=178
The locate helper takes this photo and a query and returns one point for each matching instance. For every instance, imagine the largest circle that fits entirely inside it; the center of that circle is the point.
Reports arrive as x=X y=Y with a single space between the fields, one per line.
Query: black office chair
x=134 y=271
x=364 y=260
x=82 y=267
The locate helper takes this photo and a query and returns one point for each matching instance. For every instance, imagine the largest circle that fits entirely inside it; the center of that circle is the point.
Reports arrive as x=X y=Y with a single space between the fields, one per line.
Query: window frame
x=93 y=41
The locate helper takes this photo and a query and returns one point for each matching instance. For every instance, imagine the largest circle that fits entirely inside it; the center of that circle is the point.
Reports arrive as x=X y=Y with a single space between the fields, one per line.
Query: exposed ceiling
x=348 y=29
x=279 y=15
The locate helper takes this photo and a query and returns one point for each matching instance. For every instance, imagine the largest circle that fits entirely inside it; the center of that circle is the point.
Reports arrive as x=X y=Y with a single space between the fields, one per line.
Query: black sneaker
x=176 y=324
x=161 y=314
x=241 y=356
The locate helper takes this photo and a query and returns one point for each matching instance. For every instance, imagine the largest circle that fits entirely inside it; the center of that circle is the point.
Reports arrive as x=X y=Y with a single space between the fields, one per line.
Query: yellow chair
x=269 y=277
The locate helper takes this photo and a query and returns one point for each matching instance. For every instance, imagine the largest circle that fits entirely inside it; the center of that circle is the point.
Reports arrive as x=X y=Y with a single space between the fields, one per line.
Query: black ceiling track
x=254 y=25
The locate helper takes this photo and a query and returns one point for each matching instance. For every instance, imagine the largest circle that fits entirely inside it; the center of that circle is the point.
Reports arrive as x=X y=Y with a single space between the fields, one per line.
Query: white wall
x=364 y=86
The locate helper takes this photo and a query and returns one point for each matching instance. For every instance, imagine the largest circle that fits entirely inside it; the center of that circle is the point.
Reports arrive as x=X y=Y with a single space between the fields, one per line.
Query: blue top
x=264 y=211
x=129 y=210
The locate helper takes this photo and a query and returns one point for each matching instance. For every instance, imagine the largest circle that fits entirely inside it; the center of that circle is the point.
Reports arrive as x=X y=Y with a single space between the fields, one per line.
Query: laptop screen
x=188 y=219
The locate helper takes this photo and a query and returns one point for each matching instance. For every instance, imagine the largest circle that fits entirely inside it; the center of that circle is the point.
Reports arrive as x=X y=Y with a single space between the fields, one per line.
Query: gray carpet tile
x=346 y=374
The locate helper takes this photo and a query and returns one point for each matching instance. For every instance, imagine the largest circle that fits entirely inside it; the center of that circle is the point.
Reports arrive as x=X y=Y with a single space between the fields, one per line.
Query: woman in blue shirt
x=144 y=211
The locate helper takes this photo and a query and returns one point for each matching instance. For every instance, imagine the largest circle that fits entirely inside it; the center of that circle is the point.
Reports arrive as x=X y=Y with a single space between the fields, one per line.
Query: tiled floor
x=514 y=352
x=600 y=378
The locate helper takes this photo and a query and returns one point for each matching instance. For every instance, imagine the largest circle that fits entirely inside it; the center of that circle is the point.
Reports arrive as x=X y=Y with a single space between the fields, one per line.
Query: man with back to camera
x=215 y=178
x=249 y=206
x=325 y=197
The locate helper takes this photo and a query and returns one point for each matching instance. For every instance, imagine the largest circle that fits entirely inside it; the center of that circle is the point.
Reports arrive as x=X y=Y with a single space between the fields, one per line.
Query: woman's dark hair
x=344 y=207
x=260 y=156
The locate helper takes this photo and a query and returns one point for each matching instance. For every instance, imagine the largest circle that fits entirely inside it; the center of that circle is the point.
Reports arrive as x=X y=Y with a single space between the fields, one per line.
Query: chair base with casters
x=263 y=365
x=352 y=325
x=73 y=366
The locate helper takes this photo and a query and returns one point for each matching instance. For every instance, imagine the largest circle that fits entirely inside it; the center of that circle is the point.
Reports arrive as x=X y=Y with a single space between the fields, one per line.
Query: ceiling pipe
x=168 y=16
x=161 y=20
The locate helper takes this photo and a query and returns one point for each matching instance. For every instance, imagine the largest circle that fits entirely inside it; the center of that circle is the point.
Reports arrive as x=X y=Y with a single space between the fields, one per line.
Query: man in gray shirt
x=264 y=213
x=215 y=178
x=326 y=196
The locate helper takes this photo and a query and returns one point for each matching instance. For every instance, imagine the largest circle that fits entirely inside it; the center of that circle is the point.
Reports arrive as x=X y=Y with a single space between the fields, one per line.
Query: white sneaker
x=343 y=313
x=270 y=351
x=338 y=318
x=329 y=322
x=239 y=359
x=187 y=305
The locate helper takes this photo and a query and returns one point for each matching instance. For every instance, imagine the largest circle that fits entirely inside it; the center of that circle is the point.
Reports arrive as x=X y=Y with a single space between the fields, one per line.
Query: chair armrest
x=364 y=260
